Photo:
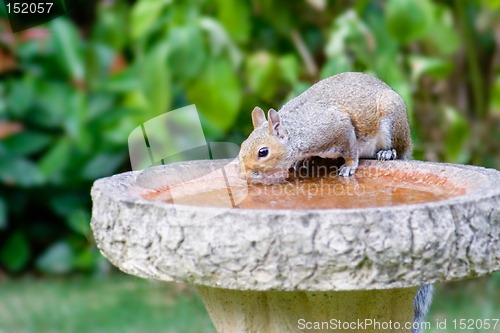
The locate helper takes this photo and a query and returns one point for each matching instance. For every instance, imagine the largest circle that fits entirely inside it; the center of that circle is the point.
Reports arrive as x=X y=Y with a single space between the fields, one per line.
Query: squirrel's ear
x=275 y=126
x=258 y=117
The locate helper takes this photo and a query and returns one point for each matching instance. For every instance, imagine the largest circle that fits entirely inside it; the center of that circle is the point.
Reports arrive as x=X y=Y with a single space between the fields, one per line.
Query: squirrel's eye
x=263 y=152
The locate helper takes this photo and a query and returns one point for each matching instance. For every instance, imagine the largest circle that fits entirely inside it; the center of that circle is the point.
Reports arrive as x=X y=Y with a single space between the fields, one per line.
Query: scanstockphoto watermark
x=443 y=324
x=320 y=187
x=312 y=168
x=177 y=136
x=360 y=325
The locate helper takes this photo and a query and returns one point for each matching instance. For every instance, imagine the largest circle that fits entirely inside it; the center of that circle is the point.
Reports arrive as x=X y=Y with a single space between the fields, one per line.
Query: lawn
x=117 y=304
x=124 y=304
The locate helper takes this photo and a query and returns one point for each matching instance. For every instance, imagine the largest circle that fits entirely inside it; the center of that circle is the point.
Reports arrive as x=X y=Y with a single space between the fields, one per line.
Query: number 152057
x=29 y=8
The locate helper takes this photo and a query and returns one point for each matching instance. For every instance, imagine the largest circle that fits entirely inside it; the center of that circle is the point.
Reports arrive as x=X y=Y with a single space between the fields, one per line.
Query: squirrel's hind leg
x=394 y=129
x=385 y=155
x=343 y=143
x=384 y=147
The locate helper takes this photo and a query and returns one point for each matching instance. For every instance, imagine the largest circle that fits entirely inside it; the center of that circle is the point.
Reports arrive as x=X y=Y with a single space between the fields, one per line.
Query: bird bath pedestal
x=307 y=256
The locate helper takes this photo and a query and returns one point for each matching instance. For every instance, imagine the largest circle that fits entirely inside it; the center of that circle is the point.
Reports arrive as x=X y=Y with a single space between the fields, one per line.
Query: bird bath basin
x=294 y=256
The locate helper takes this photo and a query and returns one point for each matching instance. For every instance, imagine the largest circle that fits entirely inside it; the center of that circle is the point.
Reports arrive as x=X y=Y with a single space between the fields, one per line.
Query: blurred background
x=73 y=89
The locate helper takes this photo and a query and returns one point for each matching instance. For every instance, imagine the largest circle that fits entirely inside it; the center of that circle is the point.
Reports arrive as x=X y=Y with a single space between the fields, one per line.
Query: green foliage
x=155 y=78
x=3 y=214
x=15 y=252
x=60 y=149
x=56 y=259
x=77 y=90
x=456 y=136
x=235 y=16
x=69 y=49
x=408 y=20
x=217 y=93
x=144 y=15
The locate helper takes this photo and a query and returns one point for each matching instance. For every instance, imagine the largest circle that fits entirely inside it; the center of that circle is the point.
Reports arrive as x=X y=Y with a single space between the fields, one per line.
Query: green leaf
x=102 y=164
x=262 y=72
x=112 y=21
x=76 y=118
x=217 y=93
x=99 y=61
x=290 y=68
x=123 y=81
x=350 y=36
x=495 y=95
x=15 y=253
x=442 y=35
x=408 y=20
x=56 y=159
x=144 y=15
x=52 y=100
x=19 y=171
x=298 y=89
x=57 y=259
x=113 y=127
x=136 y=99
x=491 y=4
x=434 y=67
x=282 y=20
x=457 y=135
x=187 y=52
x=360 y=6
x=3 y=214
x=235 y=17
x=87 y=259
x=156 y=80
x=336 y=65
x=220 y=42
x=68 y=47
x=79 y=221
x=65 y=203
x=20 y=96
x=386 y=45
x=25 y=143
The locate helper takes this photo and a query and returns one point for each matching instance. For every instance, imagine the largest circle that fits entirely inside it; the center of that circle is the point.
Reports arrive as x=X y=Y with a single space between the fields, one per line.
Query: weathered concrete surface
x=369 y=311
x=315 y=250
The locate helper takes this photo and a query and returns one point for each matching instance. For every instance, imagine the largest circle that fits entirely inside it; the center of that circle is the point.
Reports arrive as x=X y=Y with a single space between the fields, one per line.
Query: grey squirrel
x=350 y=115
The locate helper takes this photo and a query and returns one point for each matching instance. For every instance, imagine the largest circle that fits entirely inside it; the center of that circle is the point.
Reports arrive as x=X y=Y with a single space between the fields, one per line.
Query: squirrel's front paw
x=346 y=171
x=385 y=155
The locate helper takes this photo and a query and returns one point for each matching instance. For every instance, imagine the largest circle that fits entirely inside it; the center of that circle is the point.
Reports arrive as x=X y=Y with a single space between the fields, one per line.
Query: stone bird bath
x=292 y=256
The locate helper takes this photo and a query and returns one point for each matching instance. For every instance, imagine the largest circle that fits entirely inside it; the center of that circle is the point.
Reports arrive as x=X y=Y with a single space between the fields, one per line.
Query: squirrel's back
x=351 y=92
x=366 y=99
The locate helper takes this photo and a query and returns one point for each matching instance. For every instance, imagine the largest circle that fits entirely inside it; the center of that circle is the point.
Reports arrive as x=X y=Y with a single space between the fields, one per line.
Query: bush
x=72 y=91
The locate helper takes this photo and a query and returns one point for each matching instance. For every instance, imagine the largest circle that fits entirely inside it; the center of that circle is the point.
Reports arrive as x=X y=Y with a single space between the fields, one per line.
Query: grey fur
x=350 y=115
x=422 y=303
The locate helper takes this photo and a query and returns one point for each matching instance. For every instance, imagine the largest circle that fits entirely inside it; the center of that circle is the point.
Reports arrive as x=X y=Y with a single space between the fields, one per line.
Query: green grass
x=125 y=304
x=117 y=304
x=471 y=300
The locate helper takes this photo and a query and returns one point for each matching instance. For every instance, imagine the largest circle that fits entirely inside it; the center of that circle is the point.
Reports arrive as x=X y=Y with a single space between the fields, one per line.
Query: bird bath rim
x=473 y=190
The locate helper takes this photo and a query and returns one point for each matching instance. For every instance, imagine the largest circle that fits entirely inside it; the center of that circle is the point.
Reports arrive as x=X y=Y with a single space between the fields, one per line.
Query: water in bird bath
x=377 y=184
